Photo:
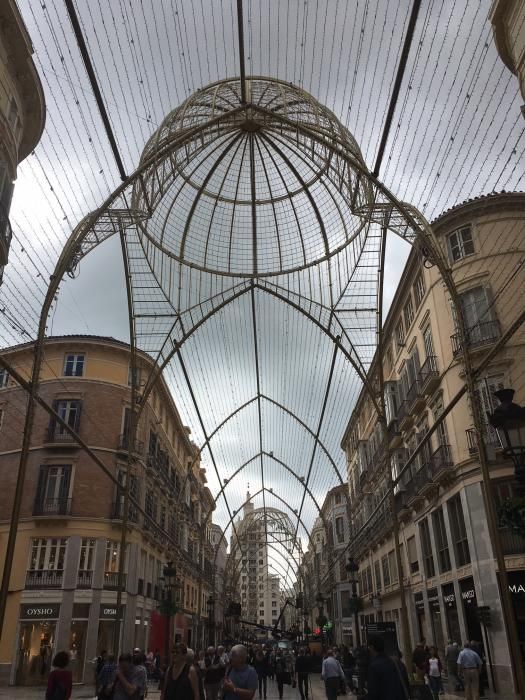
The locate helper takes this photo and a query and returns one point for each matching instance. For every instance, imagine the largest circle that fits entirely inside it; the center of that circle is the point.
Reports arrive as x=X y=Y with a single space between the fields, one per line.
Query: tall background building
x=22 y=111
x=63 y=587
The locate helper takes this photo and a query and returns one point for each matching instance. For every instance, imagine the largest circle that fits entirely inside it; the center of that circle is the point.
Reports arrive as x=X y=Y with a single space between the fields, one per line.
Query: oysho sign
x=40 y=611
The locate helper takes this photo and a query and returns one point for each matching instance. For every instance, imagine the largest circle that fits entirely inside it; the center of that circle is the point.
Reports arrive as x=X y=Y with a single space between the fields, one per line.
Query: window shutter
x=41 y=485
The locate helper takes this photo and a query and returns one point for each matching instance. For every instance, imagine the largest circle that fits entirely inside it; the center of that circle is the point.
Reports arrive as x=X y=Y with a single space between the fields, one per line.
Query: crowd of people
x=239 y=672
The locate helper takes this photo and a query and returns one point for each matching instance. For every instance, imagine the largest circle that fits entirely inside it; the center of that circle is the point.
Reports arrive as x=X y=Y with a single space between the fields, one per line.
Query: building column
x=69 y=586
x=486 y=582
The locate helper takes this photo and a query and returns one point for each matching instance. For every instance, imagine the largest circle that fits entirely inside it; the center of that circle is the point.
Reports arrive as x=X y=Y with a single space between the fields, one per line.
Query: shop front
x=36 y=642
x=517 y=592
x=436 y=623
x=77 y=640
x=107 y=626
x=451 y=613
x=470 y=604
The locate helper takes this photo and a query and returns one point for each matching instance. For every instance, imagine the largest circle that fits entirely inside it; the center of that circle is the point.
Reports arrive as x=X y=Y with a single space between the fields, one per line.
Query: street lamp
x=210 y=604
x=168 y=604
x=353 y=567
x=509 y=420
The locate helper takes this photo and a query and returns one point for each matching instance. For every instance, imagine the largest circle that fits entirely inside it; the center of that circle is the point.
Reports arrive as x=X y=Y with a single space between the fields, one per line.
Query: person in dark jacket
x=384 y=678
x=60 y=681
x=303 y=667
x=260 y=664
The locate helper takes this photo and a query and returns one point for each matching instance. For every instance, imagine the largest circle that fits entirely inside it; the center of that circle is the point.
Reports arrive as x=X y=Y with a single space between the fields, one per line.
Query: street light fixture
x=509 y=421
x=353 y=567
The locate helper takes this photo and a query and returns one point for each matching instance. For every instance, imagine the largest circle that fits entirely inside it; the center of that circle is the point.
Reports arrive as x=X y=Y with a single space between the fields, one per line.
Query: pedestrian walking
x=469 y=666
x=261 y=666
x=419 y=660
x=106 y=678
x=241 y=679
x=213 y=674
x=129 y=680
x=60 y=680
x=332 y=674
x=451 y=662
x=385 y=679
x=180 y=680
x=302 y=672
x=434 y=669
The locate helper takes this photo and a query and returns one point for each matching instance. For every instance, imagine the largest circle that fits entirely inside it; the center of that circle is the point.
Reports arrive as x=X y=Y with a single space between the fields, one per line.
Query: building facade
x=508 y=25
x=22 y=111
x=63 y=587
x=448 y=564
x=219 y=590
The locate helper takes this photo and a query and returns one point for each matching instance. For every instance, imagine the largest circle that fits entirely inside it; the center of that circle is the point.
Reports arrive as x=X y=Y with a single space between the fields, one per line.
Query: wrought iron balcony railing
x=441 y=458
x=44 y=578
x=490 y=438
x=479 y=335
x=428 y=374
x=84 y=579
x=52 y=506
x=111 y=580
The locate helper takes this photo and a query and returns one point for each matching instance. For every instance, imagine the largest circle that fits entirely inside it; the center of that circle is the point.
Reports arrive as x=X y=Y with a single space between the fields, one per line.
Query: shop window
x=460 y=244
x=426 y=548
x=458 y=530
x=419 y=289
x=440 y=534
x=74 y=365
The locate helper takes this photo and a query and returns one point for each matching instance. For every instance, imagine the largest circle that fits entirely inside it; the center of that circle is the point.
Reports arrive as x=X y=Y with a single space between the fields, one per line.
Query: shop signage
x=449 y=599
x=433 y=598
x=109 y=611
x=517 y=588
x=347 y=629
x=40 y=611
x=418 y=600
x=468 y=595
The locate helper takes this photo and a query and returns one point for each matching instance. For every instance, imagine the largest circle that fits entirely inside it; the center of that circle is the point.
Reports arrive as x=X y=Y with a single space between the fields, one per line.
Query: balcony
x=52 y=506
x=44 y=578
x=6 y=234
x=117 y=510
x=490 y=438
x=404 y=417
x=84 y=579
x=429 y=375
x=111 y=580
x=56 y=436
x=395 y=439
x=442 y=463
x=415 y=398
x=478 y=336
x=124 y=443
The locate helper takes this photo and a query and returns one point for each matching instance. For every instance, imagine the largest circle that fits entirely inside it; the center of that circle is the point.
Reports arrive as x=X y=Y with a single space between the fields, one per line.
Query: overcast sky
x=457 y=133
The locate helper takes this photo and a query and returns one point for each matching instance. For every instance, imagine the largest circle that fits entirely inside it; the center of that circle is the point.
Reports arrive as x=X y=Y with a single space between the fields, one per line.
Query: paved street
x=317 y=693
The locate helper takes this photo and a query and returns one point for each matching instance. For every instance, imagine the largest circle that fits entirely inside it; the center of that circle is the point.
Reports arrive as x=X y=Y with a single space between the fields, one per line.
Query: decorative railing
x=44 y=578
x=428 y=371
x=111 y=580
x=52 y=506
x=481 y=334
x=84 y=579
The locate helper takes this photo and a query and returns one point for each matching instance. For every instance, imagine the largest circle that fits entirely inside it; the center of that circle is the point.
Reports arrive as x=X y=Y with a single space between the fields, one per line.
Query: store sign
x=108 y=611
x=347 y=630
x=449 y=599
x=468 y=595
x=40 y=611
x=517 y=588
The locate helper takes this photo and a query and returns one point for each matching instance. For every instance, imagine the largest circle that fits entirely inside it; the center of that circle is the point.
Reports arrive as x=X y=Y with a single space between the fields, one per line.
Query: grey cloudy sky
x=457 y=133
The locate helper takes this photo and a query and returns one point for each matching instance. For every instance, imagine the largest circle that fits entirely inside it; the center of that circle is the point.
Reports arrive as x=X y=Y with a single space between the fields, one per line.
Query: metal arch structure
x=268 y=196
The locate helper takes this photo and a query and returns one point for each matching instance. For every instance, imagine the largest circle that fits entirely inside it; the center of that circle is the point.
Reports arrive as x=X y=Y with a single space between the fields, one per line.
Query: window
x=112 y=559
x=392 y=565
x=458 y=531
x=391 y=401
x=386 y=570
x=426 y=548
x=52 y=493
x=339 y=530
x=419 y=289
x=408 y=313
x=48 y=554
x=476 y=310
x=460 y=244
x=413 y=561
x=261 y=621
x=377 y=575
x=87 y=554
x=13 y=113
x=4 y=378
x=346 y=609
x=487 y=402
x=400 y=334
x=441 y=431
x=69 y=411
x=428 y=342
x=440 y=534
x=274 y=604
x=74 y=366
x=338 y=499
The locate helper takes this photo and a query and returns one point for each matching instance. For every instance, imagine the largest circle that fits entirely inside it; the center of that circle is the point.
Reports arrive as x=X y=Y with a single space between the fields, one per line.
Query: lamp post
x=509 y=421
x=321 y=619
x=168 y=604
x=353 y=567
x=210 y=605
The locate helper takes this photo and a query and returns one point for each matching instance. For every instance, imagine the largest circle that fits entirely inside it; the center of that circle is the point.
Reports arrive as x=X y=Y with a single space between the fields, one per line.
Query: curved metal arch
x=283 y=464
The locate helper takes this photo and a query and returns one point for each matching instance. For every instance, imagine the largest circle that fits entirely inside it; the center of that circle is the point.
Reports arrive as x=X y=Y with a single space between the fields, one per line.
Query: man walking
x=332 y=674
x=302 y=669
x=469 y=665
x=385 y=679
x=213 y=673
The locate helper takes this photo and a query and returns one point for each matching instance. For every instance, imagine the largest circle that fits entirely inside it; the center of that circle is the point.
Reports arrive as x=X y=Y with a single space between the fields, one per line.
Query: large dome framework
x=253 y=236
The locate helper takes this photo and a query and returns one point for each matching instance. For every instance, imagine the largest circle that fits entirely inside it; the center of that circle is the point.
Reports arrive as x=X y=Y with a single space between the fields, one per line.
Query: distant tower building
x=22 y=111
